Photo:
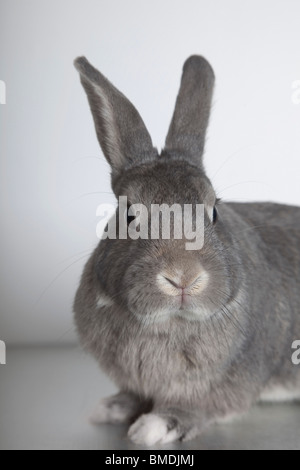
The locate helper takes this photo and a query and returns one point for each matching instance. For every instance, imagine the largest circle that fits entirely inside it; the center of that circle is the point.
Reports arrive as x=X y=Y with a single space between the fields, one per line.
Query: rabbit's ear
x=120 y=129
x=186 y=136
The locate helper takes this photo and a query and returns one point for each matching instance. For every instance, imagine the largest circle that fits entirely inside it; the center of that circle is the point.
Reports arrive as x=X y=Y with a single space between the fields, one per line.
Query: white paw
x=109 y=412
x=151 y=429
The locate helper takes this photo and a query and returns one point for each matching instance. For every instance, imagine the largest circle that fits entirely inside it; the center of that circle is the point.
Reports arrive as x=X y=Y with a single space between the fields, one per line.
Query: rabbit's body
x=228 y=341
x=194 y=365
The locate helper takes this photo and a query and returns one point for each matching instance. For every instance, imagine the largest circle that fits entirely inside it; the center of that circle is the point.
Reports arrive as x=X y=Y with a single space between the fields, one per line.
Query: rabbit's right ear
x=120 y=129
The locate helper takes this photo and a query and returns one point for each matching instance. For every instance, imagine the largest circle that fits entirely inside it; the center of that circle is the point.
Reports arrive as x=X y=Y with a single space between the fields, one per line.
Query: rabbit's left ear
x=120 y=129
x=186 y=137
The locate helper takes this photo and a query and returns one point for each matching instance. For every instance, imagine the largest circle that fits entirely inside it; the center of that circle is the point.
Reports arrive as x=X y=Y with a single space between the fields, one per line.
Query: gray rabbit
x=190 y=337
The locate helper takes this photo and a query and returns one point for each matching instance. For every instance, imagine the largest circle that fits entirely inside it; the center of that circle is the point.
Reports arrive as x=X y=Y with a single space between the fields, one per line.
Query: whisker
x=90 y=251
x=56 y=278
x=232 y=155
x=220 y=191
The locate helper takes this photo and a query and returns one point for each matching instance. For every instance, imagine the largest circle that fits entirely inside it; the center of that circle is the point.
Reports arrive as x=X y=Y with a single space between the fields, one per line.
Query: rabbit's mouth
x=167 y=315
x=184 y=300
x=173 y=292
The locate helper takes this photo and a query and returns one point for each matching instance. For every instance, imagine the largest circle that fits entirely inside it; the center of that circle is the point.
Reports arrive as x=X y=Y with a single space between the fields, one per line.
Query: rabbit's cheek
x=104 y=301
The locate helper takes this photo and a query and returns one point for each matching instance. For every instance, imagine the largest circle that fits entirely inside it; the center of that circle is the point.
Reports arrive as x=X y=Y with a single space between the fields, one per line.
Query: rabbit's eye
x=215 y=215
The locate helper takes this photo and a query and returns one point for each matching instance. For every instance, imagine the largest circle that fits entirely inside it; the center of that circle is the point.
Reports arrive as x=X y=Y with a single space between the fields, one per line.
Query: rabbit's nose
x=174 y=283
x=178 y=284
x=182 y=285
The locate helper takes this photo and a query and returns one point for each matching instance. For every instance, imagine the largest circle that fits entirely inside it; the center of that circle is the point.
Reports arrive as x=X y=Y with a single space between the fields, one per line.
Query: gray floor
x=46 y=395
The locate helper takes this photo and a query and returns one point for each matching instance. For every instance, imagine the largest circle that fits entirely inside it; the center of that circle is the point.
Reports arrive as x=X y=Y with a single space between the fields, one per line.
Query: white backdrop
x=53 y=175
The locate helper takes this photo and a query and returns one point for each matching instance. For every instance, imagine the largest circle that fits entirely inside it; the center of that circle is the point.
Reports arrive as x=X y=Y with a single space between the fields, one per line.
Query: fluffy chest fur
x=176 y=361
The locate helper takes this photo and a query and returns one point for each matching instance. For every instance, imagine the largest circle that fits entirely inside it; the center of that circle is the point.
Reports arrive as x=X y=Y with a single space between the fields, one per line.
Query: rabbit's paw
x=118 y=409
x=151 y=429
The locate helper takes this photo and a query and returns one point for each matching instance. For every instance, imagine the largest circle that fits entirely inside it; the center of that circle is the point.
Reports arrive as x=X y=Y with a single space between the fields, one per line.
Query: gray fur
x=194 y=371
x=186 y=136
x=121 y=132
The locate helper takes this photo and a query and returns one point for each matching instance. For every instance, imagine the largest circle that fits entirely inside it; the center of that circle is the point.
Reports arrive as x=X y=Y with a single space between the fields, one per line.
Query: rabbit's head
x=152 y=277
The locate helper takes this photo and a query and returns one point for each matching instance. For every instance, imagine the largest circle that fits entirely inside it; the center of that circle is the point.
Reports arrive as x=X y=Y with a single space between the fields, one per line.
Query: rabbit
x=190 y=338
